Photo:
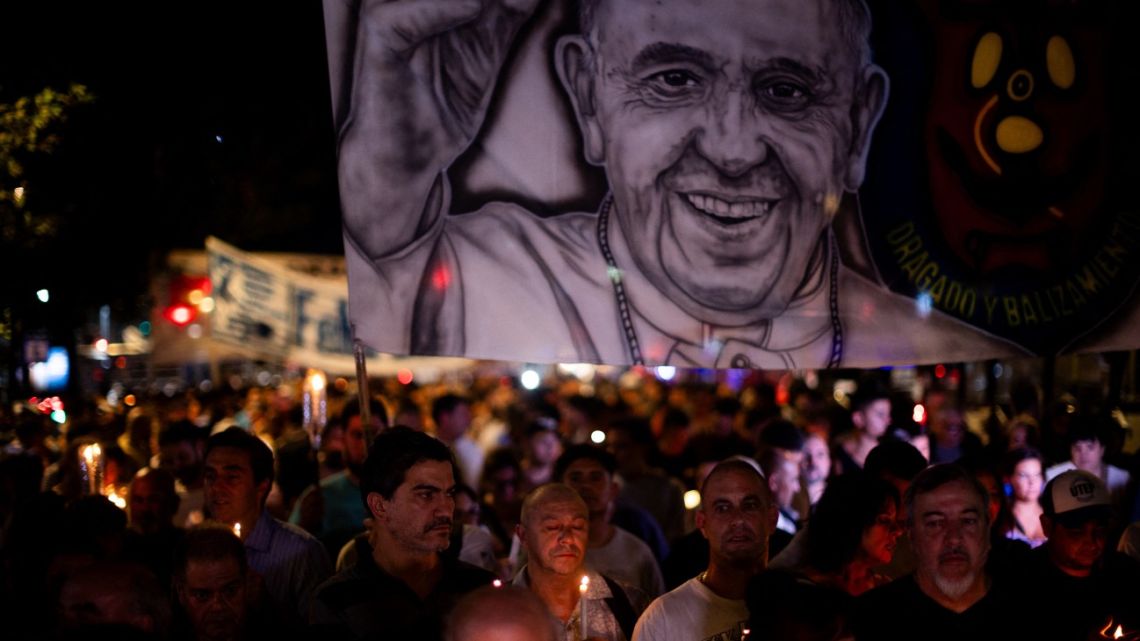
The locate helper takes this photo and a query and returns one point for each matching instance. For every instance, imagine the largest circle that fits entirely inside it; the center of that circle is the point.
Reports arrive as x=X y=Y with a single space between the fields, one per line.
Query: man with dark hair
x=452 y=416
x=896 y=462
x=737 y=515
x=110 y=593
x=871 y=416
x=181 y=450
x=1074 y=583
x=151 y=505
x=631 y=442
x=401 y=587
x=215 y=590
x=1087 y=439
x=950 y=595
x=612 y=550
x=554 y=531
x=239 y=473
x=332 y=510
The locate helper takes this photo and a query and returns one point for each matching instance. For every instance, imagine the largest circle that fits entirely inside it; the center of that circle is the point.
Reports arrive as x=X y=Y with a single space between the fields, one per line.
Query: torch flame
x=1116 y=634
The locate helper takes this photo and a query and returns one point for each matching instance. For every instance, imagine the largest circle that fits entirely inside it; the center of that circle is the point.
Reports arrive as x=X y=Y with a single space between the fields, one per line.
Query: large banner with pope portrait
x=770 y=184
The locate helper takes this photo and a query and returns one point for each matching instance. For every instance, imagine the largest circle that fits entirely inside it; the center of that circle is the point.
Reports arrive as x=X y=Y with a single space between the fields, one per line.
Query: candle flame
x=497 y=583
x=584 y=585
x=119 y=501
x=1116 y=634
x=237 y=530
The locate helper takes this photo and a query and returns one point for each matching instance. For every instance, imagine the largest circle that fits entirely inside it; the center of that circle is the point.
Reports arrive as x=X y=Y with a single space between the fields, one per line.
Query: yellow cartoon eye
x=1059 y=62
x=987 y=57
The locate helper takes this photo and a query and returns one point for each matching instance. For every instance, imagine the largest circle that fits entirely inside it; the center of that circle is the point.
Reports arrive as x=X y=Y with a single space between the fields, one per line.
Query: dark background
x=209 y=117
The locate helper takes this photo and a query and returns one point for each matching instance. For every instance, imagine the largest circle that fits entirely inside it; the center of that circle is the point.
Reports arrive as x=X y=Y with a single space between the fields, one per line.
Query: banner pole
x=362 y=389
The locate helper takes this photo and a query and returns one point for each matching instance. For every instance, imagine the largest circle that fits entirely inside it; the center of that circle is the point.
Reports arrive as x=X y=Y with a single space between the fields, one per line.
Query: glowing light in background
x=180 y=314
x=692 y=500
x=919 y=414
x=530 y=379
x=666 y=372
x=582 y=371
x=119 y=501
x=923 y=305
x=598 y=436
x=404 y=376
x=43 y=295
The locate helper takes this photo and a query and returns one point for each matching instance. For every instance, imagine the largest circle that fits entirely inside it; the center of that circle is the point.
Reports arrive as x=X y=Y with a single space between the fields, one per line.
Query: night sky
x=210 y=118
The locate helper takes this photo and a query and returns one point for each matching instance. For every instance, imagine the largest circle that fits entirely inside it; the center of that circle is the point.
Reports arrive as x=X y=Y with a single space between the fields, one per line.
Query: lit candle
x=582 y=588
x=237 y=530
x=497 y=583
x=314 y=405
x=91 y=468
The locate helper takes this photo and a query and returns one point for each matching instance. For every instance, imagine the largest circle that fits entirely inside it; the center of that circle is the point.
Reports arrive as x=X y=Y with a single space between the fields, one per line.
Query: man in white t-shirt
x=737 y=515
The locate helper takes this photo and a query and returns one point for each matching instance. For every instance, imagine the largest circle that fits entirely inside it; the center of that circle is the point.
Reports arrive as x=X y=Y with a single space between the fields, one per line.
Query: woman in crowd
x=854 y=530
x=1025 y=477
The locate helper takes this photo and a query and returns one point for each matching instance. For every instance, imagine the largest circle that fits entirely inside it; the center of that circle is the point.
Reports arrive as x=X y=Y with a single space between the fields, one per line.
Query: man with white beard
x=949 y=595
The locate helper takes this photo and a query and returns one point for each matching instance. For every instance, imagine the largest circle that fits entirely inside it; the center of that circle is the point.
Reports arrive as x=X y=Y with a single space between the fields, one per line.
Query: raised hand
x=423 y=76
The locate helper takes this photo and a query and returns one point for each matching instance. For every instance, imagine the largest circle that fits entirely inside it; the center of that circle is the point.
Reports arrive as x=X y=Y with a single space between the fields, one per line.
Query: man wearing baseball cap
x=1075 y=584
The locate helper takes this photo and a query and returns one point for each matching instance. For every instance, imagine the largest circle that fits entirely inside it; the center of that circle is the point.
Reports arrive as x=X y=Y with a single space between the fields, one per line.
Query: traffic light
x=187 y=295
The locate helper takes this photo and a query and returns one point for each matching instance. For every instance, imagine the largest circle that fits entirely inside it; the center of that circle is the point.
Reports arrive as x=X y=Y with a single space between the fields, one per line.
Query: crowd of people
x=623 y=510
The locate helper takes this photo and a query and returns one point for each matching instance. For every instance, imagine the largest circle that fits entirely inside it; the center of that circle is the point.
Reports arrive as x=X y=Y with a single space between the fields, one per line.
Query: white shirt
x=1115 y=479
x=692 y=612
x=629 y=560
x=469 y=457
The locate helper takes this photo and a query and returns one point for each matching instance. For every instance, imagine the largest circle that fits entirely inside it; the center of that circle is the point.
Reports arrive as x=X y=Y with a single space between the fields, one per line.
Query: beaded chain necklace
x=626 y=315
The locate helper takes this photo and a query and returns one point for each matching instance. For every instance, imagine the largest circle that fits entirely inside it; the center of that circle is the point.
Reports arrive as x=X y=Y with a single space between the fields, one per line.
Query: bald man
x=737 y=515
x=506 y=613
x=554 y=529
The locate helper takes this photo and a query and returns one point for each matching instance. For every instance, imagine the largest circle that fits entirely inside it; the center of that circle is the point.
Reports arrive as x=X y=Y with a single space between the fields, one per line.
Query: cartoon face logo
x=1016 y=135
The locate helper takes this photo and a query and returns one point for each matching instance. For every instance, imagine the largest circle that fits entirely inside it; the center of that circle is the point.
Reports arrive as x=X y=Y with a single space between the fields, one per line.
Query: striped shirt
x=290 y=561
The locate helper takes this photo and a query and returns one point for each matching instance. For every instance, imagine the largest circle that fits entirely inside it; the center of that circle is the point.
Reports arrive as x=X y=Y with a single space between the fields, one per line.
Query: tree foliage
x=30 y=128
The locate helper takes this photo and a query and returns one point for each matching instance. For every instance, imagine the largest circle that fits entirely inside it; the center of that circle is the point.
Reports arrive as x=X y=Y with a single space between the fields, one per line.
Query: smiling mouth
x=734 y=212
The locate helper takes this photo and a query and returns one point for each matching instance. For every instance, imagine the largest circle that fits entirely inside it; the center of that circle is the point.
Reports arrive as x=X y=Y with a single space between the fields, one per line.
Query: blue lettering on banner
x=300 y=297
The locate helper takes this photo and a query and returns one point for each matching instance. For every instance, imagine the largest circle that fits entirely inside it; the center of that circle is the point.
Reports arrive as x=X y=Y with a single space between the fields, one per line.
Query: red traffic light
x=180 y=315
